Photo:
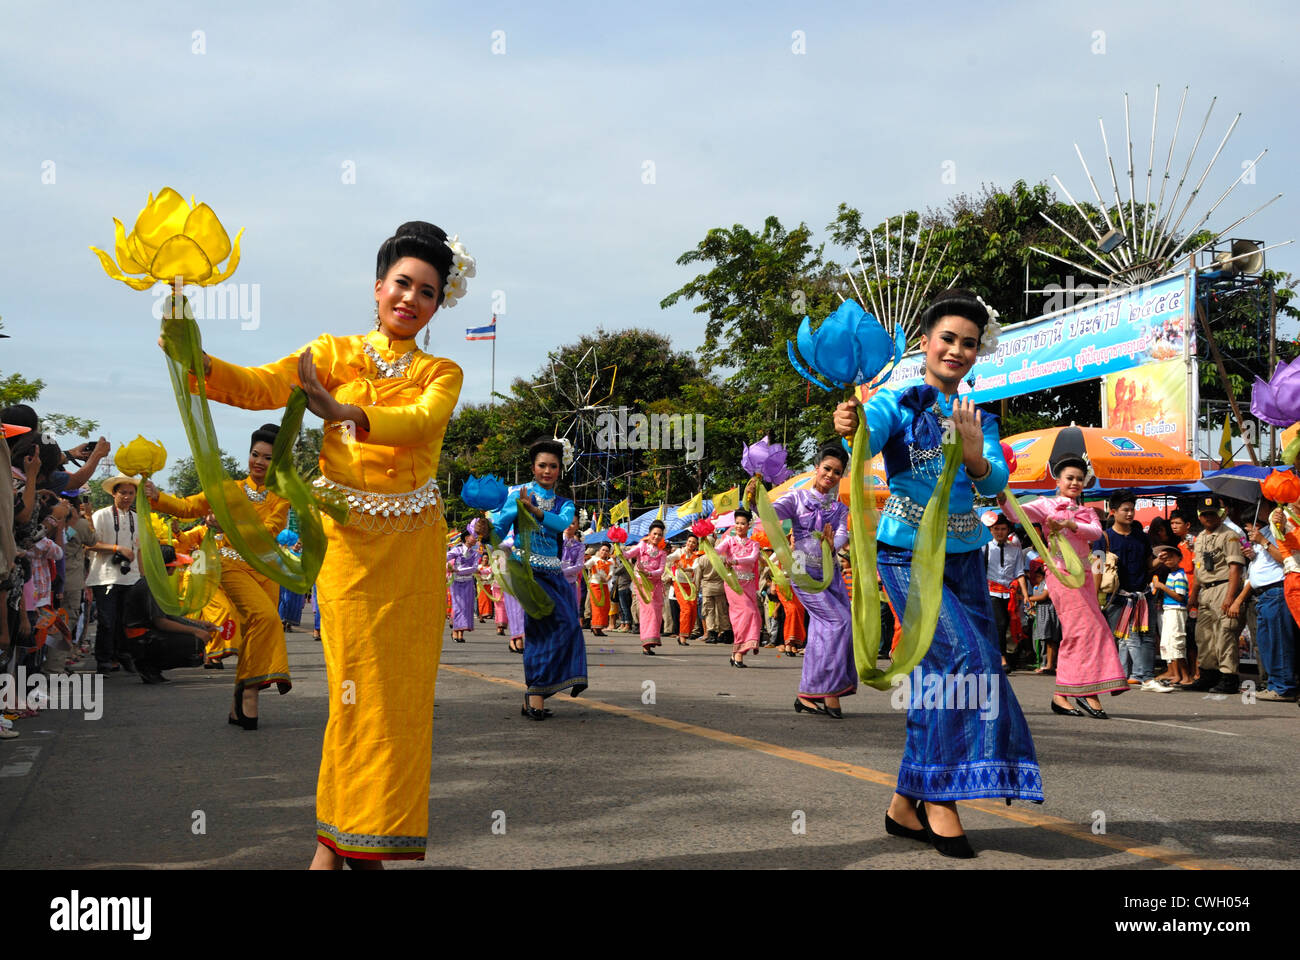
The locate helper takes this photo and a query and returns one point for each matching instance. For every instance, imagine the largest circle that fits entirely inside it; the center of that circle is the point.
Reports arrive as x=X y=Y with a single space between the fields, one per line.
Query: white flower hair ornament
x=567 y=447
x=462 y=268
x=993 y=330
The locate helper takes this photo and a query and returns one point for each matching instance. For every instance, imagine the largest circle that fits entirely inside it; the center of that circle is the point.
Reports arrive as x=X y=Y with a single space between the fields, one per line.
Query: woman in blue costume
x=982 y=749
x=555 y=657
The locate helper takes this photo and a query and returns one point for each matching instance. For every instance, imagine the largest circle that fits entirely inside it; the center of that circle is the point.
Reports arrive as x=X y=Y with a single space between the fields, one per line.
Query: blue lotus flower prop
x=850 y=347
x=484 y=493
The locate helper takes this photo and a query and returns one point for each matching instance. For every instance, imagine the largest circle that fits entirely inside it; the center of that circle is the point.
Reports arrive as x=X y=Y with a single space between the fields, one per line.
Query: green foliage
x=1239 y=317
x=306 y=452
x=183 y=479
x=484 y=438
x=759 y=287
x=98 y=498
x=988 y=236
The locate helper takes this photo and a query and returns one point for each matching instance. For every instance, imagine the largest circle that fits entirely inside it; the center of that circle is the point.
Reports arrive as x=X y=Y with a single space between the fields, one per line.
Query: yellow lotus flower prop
x=170 y=239
x=140 y=457
x=175 y=242
x=162 y=530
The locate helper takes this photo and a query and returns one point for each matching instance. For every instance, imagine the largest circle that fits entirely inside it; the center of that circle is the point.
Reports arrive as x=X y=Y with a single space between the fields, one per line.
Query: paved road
x=717 y=772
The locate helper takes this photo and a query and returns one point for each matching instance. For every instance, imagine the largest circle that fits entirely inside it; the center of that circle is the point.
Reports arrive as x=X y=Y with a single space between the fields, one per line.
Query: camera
x=121 y=562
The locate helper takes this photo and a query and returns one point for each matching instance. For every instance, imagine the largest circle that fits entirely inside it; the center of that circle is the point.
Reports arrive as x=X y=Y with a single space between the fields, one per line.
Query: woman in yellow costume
x=263 y=659
x=227 y=640
x=386 y=405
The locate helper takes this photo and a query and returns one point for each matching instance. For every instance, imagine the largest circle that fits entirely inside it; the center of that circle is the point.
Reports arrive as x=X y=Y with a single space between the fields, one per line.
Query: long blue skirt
x=291 y=607
x=966 y=733
x=555 y=653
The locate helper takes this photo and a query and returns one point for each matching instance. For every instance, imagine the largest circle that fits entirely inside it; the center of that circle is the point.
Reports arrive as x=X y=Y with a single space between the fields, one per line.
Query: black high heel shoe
x=648 y=651
x=896 y=829
x=801 y=707
x=1057 y=708
x=532 y=713
x=958 y=847
x=1090 y=710
x=737 y=663
x=240 y=719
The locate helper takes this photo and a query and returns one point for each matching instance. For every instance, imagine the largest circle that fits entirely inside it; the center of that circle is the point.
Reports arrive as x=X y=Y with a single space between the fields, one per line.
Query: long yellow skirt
x=263 y=659
x=228 y=639
x=380 y=597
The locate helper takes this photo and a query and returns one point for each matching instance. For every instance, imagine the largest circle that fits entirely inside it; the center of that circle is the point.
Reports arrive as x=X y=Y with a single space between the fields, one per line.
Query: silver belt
x=910 y=512
x=540 y=562
x=744 y=577
x=461 y=578
x=384 y=504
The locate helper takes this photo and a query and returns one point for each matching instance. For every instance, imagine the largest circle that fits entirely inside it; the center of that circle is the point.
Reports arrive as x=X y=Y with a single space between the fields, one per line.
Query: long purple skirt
x=464 y=596
x=828 y=666
x=515 y=617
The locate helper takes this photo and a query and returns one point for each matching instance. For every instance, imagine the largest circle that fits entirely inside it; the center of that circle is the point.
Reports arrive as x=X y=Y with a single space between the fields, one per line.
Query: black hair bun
x=420 y=239
x=958 y=302
x=835 y=450
x=266 y=433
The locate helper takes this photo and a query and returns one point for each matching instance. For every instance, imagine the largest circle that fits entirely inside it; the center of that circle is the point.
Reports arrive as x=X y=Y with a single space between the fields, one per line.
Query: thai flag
x=483 y=333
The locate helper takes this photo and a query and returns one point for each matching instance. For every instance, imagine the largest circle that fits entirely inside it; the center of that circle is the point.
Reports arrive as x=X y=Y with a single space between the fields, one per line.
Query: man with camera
x=113 y=569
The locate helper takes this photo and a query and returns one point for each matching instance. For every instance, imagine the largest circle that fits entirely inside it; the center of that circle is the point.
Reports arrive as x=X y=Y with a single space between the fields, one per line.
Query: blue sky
x=536 y=156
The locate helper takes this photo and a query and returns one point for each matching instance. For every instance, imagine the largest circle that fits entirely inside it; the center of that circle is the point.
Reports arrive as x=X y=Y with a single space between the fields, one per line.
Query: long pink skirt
x=1088 y=662
x=652 y=616
x=742 y=608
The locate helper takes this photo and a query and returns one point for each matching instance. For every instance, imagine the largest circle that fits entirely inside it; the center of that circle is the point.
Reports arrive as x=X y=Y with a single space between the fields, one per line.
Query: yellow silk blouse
x=408 y=414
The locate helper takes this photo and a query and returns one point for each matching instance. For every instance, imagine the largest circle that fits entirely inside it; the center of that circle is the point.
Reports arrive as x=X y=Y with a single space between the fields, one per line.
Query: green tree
x=757 y=289
x=306 y=452
x=184 y=479
x=634 y=368
x=988 y=237
x=1238 y=312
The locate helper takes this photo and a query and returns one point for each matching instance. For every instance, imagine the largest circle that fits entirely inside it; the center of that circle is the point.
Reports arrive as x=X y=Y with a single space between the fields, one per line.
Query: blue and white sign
x=1124 y=330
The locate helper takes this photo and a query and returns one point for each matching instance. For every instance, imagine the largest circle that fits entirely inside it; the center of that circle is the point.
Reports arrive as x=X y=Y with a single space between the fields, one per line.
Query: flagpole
x=493 y=398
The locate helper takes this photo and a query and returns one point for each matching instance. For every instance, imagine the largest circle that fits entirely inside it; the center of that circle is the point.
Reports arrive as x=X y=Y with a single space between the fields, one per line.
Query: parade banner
x=1112 y=333
x=1150 y=401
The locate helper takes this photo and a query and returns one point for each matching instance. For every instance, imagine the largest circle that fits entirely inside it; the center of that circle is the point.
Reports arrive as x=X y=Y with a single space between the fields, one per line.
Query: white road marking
x=21 y=764
x=1180 y=726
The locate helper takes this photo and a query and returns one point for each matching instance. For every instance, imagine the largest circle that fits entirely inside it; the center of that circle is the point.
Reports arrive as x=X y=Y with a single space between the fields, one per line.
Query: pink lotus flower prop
x=702 y=528
x=1278 y=401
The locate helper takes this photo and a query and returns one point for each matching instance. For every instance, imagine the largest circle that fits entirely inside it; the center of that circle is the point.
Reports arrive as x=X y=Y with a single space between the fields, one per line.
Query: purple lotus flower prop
x=850 y=347
x=484 y=493
x=1278 y=401
x=767 y=460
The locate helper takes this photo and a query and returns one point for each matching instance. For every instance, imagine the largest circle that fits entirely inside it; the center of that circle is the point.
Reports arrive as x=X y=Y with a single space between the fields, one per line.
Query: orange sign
x=1150 y=401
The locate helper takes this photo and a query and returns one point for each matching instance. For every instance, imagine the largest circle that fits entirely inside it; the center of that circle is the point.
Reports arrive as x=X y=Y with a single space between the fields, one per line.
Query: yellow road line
x=1115 y=841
